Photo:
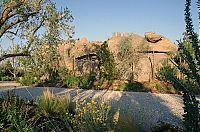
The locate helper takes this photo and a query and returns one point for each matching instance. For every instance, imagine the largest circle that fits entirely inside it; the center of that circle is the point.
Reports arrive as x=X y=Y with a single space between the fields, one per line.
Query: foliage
x=28 y=79
x=86 y=82
x=129 y=57
x=53 y=113
x=135 y=86
x=189 y=50
x=71 y=81
x=6 y=78
x=24 y=115
x=49 y=104
x=13 y=114
x=24 y=19
x=165 y=70
x=92 y=116
x=107 y=63
x=5 y=69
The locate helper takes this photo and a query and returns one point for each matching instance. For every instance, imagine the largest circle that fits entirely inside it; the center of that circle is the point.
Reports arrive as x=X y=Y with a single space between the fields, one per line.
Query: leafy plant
x=92 y=116
x=189 y=50
x=29 y=79
x=135 y=86
x=165 y=70
x=13 y=114
x=107 y=63
x=71 y=81
x=86 y=82
x=6 y=78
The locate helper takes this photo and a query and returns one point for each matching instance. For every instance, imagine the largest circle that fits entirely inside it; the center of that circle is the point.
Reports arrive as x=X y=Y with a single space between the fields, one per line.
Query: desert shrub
x=159 y=87
x=71 y=81
x=165 y=71
x=52 y=110
x=6 y=78
x=92 y=116
x=49 y=103
x=135 y=86
x=86 y=82
x=29 y=79
x=13 y=114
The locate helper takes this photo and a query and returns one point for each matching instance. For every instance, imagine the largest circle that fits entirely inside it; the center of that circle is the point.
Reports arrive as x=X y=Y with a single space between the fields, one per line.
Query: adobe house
x=158 y=51
x=80 y=55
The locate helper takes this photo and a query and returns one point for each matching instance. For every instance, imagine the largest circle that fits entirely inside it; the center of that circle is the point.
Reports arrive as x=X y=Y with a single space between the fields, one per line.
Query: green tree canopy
x=29 y=20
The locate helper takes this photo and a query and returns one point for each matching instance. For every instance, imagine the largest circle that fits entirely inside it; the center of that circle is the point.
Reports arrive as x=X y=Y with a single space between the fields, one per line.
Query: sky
x=98 y=19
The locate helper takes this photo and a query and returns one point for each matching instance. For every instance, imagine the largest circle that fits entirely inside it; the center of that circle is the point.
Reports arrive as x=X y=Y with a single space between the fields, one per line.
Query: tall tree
x=189 y=52
x=28 y=20
x=107 y=62
x=129 y=56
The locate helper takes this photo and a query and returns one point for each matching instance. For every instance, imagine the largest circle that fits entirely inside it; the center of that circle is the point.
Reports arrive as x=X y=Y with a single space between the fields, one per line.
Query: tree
x=107 y=62
x=189 y=52
x=129 y=56
x=28 y=20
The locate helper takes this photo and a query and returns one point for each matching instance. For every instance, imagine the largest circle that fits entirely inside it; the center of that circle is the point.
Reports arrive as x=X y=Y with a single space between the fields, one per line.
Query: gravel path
x=146 y=109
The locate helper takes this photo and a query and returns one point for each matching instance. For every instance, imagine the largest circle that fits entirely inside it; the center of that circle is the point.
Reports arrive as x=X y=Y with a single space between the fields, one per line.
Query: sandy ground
x=146 y=109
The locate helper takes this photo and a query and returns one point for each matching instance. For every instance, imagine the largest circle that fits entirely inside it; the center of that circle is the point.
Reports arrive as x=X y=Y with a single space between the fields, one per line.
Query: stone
x=152 y=37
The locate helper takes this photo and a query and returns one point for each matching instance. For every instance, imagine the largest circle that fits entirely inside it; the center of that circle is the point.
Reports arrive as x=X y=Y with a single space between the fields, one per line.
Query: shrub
x=135 y=86
x=92 y=116
x=165 y=71
x=108 y=66
x=29 y=79
x=6 y=78
x=71 y=81
x=48 y=103
x=86 y=82
x=13 y=114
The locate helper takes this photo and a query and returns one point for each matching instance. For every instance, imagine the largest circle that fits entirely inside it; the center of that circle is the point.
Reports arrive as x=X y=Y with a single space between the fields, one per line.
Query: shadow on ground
x=138 y=110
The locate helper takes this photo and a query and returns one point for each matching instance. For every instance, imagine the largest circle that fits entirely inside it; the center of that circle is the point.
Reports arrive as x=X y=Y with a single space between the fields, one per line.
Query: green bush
x=92 y=116
x=71 y=81
x=13 y=114
x=6 y=78
x=29 y=79
x=136 y=86
x=165 y=71
x=159 y=87
x=83 y=82
x=86 y=82
x=166 y=127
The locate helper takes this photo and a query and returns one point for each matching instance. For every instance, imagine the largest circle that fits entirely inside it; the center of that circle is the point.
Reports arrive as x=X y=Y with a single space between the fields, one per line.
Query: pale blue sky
x=97 y=19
